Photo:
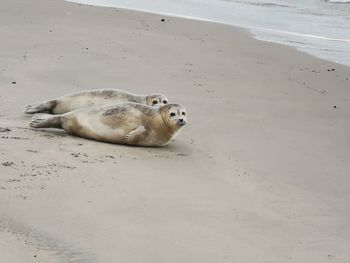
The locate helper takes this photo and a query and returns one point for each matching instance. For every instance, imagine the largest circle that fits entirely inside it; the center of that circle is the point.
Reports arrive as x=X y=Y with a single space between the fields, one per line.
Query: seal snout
x=181 y=122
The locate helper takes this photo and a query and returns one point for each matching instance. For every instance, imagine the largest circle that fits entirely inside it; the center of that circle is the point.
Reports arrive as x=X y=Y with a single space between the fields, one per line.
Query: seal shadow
x=53 y=132
x=172 y=146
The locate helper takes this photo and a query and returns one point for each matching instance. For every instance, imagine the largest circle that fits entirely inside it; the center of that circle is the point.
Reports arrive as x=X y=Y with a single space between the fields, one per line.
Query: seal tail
x=44 y=106
x=45 y=121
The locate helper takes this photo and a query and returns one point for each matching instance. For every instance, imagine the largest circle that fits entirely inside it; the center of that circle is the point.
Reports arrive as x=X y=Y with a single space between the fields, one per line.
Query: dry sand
x=260 y=174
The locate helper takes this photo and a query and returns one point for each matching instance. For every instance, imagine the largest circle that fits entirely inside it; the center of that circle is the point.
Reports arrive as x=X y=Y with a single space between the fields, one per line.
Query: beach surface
x=260 y=174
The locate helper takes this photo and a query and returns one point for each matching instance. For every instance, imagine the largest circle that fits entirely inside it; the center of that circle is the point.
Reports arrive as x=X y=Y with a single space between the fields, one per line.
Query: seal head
x=174 y=116
x=156 y=100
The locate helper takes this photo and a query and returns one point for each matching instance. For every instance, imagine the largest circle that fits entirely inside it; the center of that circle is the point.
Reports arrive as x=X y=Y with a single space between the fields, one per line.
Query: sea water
x=318 y=27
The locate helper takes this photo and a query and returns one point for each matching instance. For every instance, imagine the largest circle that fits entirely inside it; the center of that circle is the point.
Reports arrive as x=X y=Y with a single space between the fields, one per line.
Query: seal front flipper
x=134 y=136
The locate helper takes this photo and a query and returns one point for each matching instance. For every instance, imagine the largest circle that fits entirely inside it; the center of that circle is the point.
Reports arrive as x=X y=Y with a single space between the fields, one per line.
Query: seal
x=93 y=98
x=124 y=123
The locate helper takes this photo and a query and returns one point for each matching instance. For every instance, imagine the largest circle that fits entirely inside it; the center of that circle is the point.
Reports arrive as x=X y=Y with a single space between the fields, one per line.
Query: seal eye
x=155 y=102
x=165 y=102
x=184 y=113
x=172 y=114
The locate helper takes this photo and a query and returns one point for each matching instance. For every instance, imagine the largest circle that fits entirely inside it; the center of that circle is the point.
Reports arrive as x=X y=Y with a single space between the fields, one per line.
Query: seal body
x=125 y=123
x=93 y=98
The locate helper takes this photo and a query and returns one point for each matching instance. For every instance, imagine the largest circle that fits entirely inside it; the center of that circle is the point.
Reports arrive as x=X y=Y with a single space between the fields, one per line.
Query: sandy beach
x=260 y=173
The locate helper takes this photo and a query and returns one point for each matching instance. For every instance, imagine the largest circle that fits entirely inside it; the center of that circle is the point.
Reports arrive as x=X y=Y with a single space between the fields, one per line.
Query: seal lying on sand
x=93 y=98
x=125 y=123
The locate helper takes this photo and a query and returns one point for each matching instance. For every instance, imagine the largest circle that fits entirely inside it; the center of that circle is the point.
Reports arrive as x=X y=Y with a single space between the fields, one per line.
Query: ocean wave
x=338 y=1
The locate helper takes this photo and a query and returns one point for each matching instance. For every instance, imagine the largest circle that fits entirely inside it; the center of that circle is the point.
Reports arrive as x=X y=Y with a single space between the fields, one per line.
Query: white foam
x=301 y=35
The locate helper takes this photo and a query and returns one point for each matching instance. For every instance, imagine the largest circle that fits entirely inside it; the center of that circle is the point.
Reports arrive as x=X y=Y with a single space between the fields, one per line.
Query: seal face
x=156 y=100
x=174 y=116
x=124 y=123
x=94 y=98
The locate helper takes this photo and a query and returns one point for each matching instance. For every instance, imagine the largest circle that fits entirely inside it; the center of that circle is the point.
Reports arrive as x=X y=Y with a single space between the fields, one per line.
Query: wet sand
x=260 y=174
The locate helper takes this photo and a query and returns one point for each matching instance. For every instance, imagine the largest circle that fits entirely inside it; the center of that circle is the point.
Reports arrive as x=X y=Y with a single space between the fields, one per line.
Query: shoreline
x=253 y=30
x=260 y=174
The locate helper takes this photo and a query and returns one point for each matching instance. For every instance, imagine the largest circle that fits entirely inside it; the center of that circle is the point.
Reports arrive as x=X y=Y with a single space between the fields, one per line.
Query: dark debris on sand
x=7 y=164
x=4 y=129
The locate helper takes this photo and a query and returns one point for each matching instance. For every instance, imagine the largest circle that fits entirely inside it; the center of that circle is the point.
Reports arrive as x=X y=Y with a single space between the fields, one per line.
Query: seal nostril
x=181 y=120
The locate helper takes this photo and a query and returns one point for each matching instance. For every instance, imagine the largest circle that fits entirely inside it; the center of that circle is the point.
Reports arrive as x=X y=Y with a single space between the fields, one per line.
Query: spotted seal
x=93 y=98
x=124 y=123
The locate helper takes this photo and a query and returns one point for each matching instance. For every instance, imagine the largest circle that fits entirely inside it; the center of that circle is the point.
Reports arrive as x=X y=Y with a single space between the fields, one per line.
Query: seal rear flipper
x=45 y=121
x=44 y=106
